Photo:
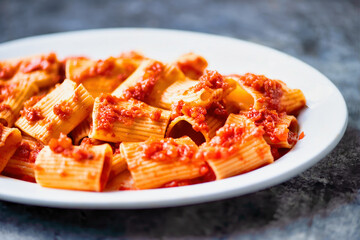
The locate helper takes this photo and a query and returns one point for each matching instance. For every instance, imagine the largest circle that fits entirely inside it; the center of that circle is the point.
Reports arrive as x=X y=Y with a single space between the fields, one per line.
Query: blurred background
x=321 y=203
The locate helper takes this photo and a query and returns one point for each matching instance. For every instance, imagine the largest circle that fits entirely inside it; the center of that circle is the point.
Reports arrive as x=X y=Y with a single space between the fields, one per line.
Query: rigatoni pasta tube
x=156 y=162
x=10 y=139
x=12 y=98
x=192 y=65
x=274 y=94
x=118 y=164
x=102 y=76
x=140 y=84
x=82 y=130
x=117 y=120
x=78 y=168
x=21 y=164
x=238 y=147
x=59 y=111
x=122 y=181
x=184 y=126
x=281 y=130
x=169 y=77
x=42 y=70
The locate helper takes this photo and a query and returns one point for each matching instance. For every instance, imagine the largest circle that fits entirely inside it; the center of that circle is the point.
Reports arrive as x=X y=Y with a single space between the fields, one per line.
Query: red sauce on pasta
x=226 y=141
x=110 y=112
x=63 y=145
x=144 y=86
x=197 y=113
x=271 y=89
x=218 y=109
x=167 y=150
x=192 y=65
x=32 y=114
x=7 y=71
x=155 y=115
x=4 y=107
x=211 y=80
x=28 y=152
x=7 y=91
x=63 y=110
x=40 y=63
x=268 y=119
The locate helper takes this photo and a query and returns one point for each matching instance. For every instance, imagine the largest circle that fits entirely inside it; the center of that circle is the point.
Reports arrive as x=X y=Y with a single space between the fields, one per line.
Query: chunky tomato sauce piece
x=63 y=145
x=4 y=107
x=192 y=66
x=110 y=112
x=100 y=68
x=32 y=114
x=197 y=113
x=167 y=150
x=63 y=110
x=144 y=86
x=268 y=119
x=7 y=71
x=7 y=91
x=33 y=100
x=218 y=109
x=227 y=141
x=211 y=80
x=39 y=63
x=271 y=89
x=28 y=152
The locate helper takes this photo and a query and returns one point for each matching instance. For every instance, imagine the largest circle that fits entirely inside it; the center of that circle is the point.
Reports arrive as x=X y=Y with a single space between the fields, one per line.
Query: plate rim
x=174 y=201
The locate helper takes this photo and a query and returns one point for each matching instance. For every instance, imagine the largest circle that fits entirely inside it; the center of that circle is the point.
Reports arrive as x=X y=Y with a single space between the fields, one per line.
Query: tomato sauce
x=271 y=89
x=63 y=110
x=7 y=91
x=144 y=86
x=226 y=141
x=167 y=150
x=100 y=68
x=4 y=107
x=63 y=145
x=110 y=112
x=218 y=109
x=192 y=67
x=7 y=71
x=211 y=80
x=197 y=113
x=32 y=114
x=28 y=152
x=40 y=63
x=268 y=119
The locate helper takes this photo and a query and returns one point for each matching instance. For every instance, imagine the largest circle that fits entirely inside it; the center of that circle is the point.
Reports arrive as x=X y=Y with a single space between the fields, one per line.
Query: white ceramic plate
x=324 y=121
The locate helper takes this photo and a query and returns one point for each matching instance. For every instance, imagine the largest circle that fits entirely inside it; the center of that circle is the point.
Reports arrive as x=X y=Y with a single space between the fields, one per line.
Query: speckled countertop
x=321 y=203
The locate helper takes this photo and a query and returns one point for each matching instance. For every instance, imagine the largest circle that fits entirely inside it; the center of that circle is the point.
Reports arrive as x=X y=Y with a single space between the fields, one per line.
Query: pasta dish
x=131 y=122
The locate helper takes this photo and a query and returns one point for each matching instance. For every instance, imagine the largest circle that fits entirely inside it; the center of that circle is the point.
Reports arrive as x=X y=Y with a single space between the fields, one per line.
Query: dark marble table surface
x=321 y=203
